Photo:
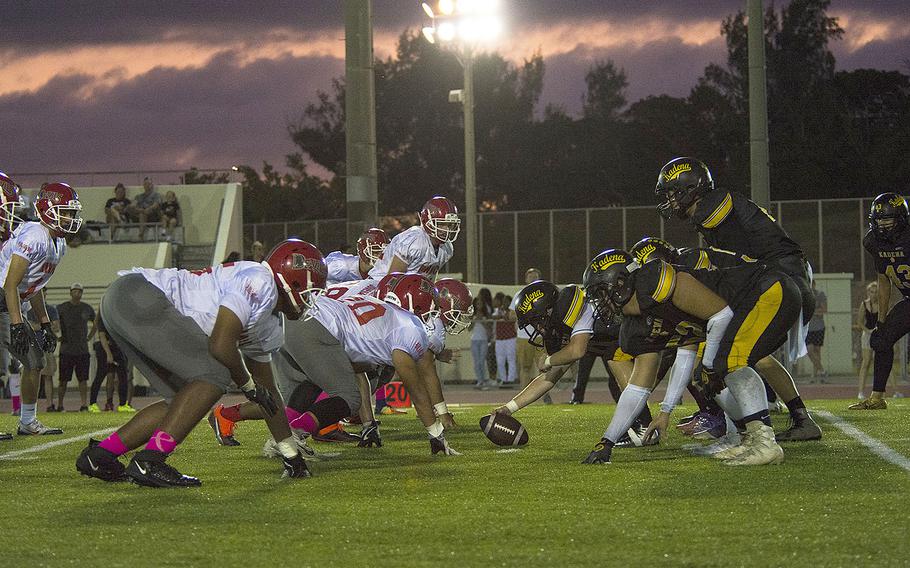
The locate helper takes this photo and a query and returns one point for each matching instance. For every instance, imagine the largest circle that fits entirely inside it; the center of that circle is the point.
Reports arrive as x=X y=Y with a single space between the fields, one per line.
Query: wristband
x=512 y=406
x=435 y=429
x=440 y=408
x=250 y=385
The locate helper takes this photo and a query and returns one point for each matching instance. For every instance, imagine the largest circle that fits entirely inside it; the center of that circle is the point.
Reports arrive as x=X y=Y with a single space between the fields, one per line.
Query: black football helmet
x=651 y=248
x=888 y=216
x=679 y=184
x=533 y=307
x=609 y=282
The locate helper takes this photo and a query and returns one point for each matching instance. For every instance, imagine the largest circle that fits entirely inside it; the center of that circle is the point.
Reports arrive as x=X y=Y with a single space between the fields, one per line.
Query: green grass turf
x=832 y=503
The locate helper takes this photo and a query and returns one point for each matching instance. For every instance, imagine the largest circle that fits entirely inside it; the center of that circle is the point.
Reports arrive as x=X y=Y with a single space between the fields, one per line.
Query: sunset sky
x=94 y=85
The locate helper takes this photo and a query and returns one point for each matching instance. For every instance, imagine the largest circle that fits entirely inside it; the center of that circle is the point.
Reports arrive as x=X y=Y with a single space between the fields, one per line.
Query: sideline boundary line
x=41 y=447
x=877 y=447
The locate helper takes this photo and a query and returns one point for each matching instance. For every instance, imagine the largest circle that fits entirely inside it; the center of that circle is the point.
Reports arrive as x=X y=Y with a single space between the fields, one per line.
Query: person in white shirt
x=27 y=262
x=347 y=267
x=425 y=248
x=194 y=335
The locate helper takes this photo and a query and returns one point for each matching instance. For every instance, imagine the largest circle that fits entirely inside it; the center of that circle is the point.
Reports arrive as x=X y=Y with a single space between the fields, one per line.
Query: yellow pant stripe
x=754 y=326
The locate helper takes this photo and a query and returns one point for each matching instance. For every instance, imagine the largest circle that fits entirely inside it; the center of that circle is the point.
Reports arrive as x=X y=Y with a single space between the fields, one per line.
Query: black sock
x=761 y=415
x=795 y=404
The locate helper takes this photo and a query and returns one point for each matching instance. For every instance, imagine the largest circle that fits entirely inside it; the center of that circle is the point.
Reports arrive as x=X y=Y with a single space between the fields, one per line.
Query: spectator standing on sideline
x=50 y=359
x=525 y=352
x=506 y=364
x=866 y=321
x=480 y=339
x=170 y=214
x=74 y=355
x=815 y=339
x=257 y=252
x=111 y=363
x=147 y=207
x=115 y=209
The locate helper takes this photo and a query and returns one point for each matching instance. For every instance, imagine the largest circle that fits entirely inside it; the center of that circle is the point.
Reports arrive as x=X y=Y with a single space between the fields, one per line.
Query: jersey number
x=336 y=292
x=902 y=282
x=372 y=310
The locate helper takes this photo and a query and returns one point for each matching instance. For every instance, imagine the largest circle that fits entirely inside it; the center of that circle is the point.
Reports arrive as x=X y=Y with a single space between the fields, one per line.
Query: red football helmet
x=439 y=218
x=371 y=244
x=9 y=203
x=456 y=305
x=58 y=207
x=300 y=271
x=412 y=292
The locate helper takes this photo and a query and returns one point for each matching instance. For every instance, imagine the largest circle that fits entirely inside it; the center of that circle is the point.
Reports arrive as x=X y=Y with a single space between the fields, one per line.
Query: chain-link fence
x=561 y=241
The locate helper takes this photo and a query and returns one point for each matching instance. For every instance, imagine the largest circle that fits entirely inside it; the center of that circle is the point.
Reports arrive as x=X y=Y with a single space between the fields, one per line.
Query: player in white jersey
x=27 y=262
x=194 y=335
x=9 y=203
x=346 y=336
x=346 y=267
x=426 y=248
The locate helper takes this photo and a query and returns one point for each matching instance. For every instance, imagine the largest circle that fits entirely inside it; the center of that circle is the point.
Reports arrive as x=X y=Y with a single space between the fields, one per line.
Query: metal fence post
x=587 y=233
x=821 y=240
x=862 y=257
x=552 y=260
x=515 y=244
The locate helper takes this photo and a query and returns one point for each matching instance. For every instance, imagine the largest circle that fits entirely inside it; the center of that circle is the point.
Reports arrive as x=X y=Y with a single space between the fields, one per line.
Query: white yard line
x=41 y=447
x=875 y=446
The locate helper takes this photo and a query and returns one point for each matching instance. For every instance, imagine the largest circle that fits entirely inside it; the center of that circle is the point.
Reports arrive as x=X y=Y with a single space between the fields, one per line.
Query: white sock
x=748 y=390
x=29 y=413
x=630 y=404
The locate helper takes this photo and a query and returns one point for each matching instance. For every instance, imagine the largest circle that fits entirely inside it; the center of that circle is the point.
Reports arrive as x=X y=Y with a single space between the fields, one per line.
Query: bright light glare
x=446 y=31
x=478 y=29
x=468 y=7
x=428 y=10
x=447 y=7
x=430 y=34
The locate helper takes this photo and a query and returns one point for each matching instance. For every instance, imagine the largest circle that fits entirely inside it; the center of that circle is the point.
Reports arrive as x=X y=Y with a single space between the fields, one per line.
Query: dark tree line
x=832 y=134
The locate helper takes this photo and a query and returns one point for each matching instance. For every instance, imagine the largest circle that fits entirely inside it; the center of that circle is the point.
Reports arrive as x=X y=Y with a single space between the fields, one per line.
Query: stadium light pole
x=463 y=25
x=758 y=107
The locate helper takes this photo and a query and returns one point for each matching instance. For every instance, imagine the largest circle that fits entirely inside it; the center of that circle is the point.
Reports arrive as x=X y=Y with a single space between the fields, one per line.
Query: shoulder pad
x=713 y=209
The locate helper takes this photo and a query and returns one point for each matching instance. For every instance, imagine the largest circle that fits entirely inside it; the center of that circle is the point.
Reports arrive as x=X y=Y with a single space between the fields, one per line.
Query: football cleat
x=295 y=467
x=735 y=450
x=5 y=436
x=441 y=445
x=337 y=436
x=99 y=463
x=388 y=411
x=709 y=427
x=869 y=404
x=601 y=453
x=760 y=448
x=124 y=408
x=270 y=449
x=223 y=428
x=94 y=408
x=802 y=429
x=148 y=468
x=36 y=428
x=634 y=438
x=725 y=442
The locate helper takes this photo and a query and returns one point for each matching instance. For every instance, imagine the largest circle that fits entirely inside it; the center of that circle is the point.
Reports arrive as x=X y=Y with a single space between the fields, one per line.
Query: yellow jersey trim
x=578 y=302
x=665 y=283
x=719 y=214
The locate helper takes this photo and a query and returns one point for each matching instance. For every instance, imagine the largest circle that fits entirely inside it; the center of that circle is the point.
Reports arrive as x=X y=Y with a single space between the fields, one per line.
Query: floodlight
x=429 y=34
x=447 y=7
x=446 y=31
x=428 y=10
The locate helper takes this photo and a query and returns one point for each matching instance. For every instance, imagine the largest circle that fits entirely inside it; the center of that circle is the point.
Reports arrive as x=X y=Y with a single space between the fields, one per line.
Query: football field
x=831 y=503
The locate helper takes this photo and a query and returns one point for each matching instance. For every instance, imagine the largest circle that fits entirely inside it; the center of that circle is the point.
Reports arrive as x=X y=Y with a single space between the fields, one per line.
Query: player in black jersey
x=730 y=221
x=745 y=313
x=888 y=241
x=802 y=426
x=563 y=324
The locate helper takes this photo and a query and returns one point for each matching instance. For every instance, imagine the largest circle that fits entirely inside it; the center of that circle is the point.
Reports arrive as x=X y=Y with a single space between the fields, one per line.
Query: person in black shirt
x=74 y=355
x=744 y=313
x=170 y=213
x=729 y=221
x=115 y=209
x=888 y=241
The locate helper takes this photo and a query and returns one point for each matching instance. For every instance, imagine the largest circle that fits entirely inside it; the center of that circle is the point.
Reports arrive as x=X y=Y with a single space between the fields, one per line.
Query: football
x=504 y=430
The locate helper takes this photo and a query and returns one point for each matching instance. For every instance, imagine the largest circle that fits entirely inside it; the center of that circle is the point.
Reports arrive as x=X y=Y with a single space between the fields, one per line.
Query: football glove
x=369 y=436
x=20 y=338
x=261 y=396
x=440 y=445
x=47 y=341
x=600 y=454
x=295 y=467
x=708 y=381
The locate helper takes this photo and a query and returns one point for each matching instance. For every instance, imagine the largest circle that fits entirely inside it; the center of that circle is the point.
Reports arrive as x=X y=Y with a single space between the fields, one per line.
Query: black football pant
x=795 y=268
x=895 y=326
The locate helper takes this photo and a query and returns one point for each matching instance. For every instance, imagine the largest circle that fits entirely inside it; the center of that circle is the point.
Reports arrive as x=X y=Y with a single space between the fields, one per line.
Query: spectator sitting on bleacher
x=115 y=209
x=146 y=208
x=170 y=214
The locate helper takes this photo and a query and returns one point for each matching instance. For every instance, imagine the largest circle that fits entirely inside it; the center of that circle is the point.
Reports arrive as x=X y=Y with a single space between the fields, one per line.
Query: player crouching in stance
x=27 y=262
x=194 y=335
x=747 y=312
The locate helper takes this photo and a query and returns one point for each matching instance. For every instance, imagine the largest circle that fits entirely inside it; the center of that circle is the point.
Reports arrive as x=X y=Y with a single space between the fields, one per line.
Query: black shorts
x=78 y=363
x=760 y=323
x=816 y=338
